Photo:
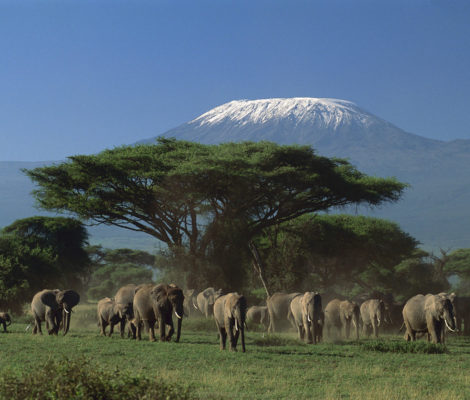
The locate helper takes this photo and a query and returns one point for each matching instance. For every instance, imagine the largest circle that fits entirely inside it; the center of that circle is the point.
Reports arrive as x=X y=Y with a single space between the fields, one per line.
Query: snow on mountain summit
x=322 y=112
x=330 y=125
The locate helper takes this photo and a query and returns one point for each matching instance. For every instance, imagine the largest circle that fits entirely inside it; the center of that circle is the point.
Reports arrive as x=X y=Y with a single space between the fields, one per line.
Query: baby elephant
x=111 y=313
x=4 y=318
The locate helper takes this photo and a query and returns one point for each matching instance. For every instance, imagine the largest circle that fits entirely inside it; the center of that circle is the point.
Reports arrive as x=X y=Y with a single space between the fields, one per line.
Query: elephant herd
x=151 y=306
x=431 y=315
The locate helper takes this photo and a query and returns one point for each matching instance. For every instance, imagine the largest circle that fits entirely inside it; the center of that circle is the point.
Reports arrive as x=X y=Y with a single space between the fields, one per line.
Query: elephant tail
x=401 y=327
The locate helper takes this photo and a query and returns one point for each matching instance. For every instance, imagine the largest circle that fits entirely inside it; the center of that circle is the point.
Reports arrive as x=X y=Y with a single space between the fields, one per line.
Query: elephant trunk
x=8 y=320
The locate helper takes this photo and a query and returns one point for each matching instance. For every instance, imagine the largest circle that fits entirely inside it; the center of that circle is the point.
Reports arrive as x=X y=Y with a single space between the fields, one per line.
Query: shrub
x=404 y=347
x=79 y=379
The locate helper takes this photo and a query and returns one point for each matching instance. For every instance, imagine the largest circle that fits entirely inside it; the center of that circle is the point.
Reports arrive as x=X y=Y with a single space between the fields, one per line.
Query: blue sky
x=80 y=76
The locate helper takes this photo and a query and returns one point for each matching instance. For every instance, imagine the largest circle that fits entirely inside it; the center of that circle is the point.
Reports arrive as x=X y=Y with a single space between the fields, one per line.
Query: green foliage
x=41 y=252
x=417 y=274
x=345 y=254
x=115 y=268
x=205 y=200
x=82 y=379
x=393 y=346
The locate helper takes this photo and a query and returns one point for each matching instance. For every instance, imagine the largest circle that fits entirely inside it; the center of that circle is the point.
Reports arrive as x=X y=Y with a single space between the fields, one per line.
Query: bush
x=79 y=379
x=404 y=347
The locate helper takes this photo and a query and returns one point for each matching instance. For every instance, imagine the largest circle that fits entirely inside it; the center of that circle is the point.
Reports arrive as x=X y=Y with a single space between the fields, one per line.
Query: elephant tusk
x=448 y=327
x=378 y=321
x=236 y=324
x=178 y=316
x=308 y=318
x=354 y=322
x=68 y=312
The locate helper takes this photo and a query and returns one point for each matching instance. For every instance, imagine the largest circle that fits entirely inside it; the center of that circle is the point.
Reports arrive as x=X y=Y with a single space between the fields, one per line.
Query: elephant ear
x=69 y=297
x=207 y=293
x=160 y=293
x=303 y=303
x=49 y=299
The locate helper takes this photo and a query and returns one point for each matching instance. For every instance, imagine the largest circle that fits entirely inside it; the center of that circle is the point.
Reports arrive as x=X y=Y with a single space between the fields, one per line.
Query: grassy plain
x=274 y=367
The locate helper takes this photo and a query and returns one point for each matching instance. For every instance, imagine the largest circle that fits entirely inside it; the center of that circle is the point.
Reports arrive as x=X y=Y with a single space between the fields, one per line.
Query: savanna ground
x=274 y=367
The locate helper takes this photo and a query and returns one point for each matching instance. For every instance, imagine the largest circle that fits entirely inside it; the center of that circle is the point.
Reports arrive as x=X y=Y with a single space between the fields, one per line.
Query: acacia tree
x=185 y=193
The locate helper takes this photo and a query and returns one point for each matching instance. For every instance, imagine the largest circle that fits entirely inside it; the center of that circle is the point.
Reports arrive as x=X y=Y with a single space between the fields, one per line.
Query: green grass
x=274 y=366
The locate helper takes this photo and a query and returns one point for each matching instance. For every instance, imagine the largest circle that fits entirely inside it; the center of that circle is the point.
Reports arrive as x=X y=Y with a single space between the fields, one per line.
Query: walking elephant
x=111 y=313
x=125 y=299
x=230 y=316
x=258 y=315
x=462 y=313
x=190 y=302
x=340 y=315
x=5 y=320
x=428 y=314
x=206 y=299
x=54 y=307
x=279 y=309
x=373 y=316
x=156 y=303
x=307 y=313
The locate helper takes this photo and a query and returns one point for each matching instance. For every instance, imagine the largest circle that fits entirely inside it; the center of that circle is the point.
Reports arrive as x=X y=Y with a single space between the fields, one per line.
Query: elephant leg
x=300 y=331
x=150 y=325
x=433 y=329
x=170 y=331
x=4 y=326
x=111 y=329
x=132 y=330
x=139 y=330
x=223 y=337
x=235 y=338
x=375 y=329
x=229 y=331
x=122 y=327
x=102 y=327
x=347 y=328
x=38 y=326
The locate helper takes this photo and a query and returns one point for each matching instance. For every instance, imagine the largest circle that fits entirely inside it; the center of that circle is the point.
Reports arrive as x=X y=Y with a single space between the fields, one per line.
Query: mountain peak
x=322 y=112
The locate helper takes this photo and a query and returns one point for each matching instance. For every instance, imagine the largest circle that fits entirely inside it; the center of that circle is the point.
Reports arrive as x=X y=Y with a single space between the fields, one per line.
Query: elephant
x=373 y=316
x=428 y=314
x=258 y=315
x=206 y=299
x=156 y=303
x=111 y=313
x=279 y=309
x=230 y=314
x=4 y=319
x=125 y=298
x=54 y=307
x=462 y=313
x=340 y=315
x=307 y=311
x=190 y=302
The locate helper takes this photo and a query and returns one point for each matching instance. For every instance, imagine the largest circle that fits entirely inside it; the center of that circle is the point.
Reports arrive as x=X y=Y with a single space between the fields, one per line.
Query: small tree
x=38 y=253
